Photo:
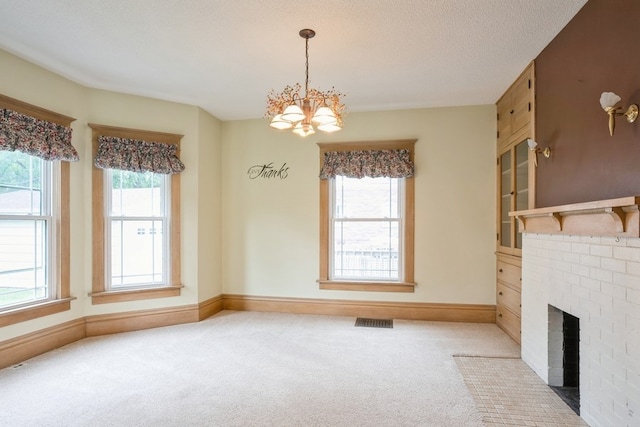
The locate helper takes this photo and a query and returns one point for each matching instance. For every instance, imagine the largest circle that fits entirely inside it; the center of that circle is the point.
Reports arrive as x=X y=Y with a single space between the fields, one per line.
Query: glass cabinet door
x=521 y=184
x=505 y=199
x=513 y=195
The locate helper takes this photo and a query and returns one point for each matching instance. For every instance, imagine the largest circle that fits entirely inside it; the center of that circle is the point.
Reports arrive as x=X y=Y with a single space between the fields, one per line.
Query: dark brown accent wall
x=598 y=51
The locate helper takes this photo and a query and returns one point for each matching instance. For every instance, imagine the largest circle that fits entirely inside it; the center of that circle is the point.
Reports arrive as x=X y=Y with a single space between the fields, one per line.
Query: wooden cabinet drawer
x=509 y=274
x=508 y=322
x=508 y=297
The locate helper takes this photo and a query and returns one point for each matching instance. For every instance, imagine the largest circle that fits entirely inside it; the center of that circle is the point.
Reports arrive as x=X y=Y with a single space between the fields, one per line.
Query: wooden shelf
x=613 y=217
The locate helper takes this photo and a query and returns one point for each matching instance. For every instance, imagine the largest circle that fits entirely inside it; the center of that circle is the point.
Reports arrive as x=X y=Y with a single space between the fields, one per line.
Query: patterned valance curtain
x=36 y=137
x=136 y=155
x=371 y=163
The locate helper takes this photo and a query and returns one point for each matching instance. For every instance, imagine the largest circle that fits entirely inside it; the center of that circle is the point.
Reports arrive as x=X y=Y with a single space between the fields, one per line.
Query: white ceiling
x=225 y=55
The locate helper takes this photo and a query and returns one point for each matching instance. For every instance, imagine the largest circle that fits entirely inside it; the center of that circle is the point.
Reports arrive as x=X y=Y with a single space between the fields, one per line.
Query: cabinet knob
x=500 y=271
x=500 y=293
x=500 y=315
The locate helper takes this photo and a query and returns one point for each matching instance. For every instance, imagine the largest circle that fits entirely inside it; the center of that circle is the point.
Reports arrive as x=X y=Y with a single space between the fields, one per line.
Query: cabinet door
x=503 y=108
x=521 y=185
x=521 y=103
x=505 y=178
x=513 y=190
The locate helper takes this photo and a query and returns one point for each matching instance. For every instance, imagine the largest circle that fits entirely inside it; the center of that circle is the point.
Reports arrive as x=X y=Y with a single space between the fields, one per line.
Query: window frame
x=407 y=283
x=60 y=300
x=100 y=294
x=164 y=219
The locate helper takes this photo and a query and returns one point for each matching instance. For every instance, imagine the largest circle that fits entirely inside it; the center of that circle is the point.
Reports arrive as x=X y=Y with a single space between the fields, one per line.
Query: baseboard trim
x=472 y=313
x=30 y=345
x=24 y=347
x=105 y=324
x=210 y=307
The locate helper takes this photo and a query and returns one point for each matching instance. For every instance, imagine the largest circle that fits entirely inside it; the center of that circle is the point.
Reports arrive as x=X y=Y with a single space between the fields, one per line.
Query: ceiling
x=225 y=55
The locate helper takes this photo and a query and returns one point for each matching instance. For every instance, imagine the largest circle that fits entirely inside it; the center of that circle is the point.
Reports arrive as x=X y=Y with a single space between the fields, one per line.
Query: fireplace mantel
x=613 y=217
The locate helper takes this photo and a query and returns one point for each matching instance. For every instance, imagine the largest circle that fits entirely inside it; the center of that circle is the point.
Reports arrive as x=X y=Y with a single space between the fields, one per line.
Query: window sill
x=367 y=286
x=108 y=297
x=34 y=311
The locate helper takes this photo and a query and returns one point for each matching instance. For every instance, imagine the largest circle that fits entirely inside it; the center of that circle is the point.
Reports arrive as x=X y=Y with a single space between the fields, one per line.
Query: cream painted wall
x=260 y=237
x=209 y=207
x=200 y=182
x=270 y=232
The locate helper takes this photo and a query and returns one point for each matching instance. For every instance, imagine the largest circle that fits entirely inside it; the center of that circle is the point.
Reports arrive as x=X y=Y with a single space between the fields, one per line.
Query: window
x=137 y=201
x=34 y=211
x=136 y=214
x=27 y=229
x=366 y=216
x=366 y=219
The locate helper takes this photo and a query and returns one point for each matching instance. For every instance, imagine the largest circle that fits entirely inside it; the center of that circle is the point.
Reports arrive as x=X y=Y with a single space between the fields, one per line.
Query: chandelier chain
x=306 y=81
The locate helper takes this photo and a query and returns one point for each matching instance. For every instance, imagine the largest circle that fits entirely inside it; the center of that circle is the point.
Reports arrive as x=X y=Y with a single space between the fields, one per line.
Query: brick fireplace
x=584 y=260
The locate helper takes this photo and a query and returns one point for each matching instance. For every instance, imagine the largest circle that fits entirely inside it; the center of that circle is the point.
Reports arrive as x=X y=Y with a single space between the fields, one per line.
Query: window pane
x=20 y=184
x=366 y=250
x=137 y=253
x=137 y=193
x=366 y=197
x=23 y=261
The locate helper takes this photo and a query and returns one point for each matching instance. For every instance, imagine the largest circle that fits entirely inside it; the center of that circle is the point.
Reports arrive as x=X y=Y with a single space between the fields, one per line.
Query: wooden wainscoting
x=21 y=348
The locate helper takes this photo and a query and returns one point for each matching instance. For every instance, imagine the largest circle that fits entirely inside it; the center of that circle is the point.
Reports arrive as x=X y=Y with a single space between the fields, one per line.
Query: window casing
x=393 y=211
x=122 y=219
x=49 y=207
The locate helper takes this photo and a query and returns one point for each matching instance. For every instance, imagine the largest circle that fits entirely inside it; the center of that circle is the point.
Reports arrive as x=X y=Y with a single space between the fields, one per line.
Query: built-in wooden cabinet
x=515 y=191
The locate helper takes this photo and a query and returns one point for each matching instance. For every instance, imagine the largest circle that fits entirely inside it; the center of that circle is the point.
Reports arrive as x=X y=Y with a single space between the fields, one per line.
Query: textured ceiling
x=225 y=55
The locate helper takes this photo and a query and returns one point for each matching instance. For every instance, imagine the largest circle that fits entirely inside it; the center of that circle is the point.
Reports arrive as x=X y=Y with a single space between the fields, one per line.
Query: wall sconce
x=533 y=146
x=608 y=100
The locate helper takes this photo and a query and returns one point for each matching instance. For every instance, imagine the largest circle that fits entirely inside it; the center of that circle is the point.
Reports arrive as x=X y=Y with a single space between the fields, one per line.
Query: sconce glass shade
x=532 y=144
x=278 y=123
x=293 y=113
x=303 y=130
x=608 y=100
x=324 y=115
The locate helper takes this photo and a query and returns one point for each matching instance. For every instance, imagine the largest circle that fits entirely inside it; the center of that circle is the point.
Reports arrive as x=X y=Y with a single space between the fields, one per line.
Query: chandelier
x=289 y=110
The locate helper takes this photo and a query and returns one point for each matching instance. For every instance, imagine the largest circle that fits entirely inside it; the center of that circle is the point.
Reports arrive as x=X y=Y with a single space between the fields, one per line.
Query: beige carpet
x=255 y=369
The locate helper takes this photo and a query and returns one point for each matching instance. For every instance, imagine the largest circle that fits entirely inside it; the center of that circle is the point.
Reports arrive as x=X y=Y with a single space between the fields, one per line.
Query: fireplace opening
x=564 y=341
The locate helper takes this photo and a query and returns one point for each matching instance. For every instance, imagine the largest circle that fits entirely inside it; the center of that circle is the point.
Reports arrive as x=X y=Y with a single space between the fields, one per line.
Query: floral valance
x=371 y=163
x=136 y=155
x=36 y=137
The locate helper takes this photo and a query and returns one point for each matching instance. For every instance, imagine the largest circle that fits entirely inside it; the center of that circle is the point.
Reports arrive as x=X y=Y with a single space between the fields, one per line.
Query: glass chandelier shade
x=290 y=109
